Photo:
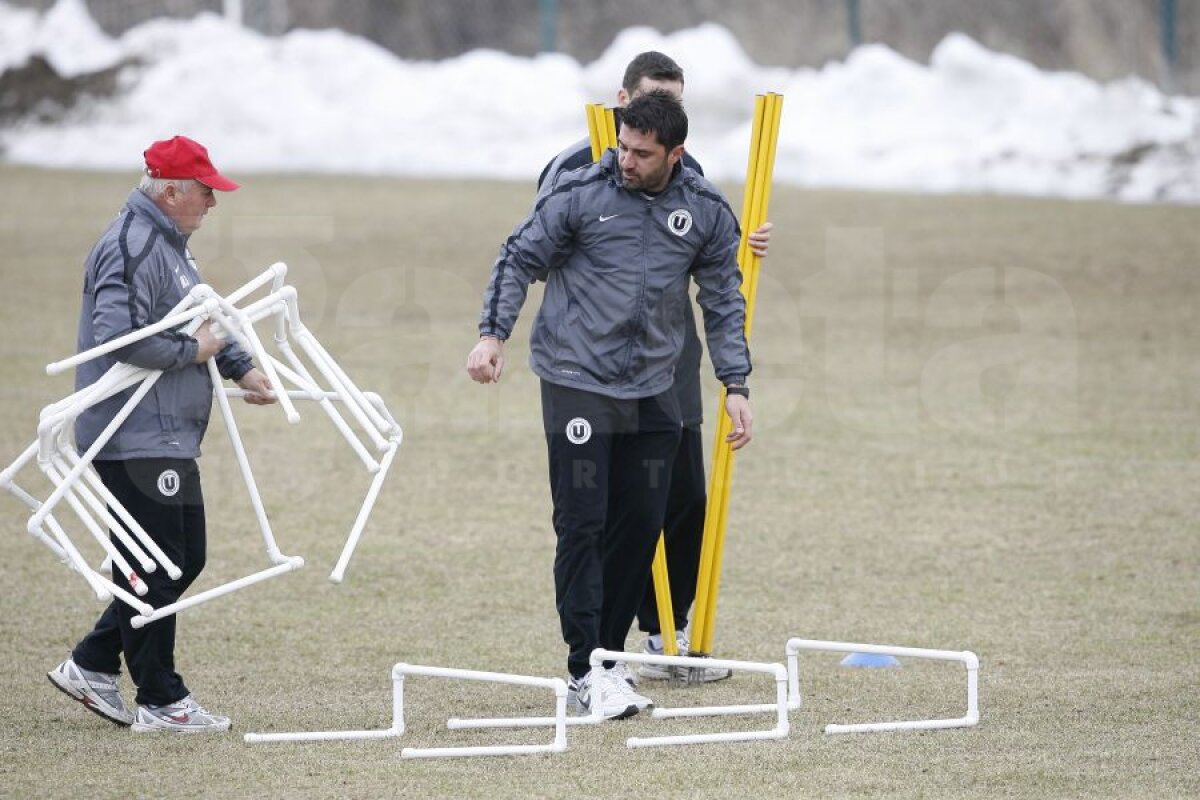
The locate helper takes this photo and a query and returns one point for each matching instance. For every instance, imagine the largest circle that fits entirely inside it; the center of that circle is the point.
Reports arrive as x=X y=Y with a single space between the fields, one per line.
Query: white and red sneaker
x=96 y=691
x=182 y=716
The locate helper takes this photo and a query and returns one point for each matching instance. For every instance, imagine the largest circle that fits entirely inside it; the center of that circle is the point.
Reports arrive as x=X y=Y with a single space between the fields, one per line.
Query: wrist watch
x=744 y=391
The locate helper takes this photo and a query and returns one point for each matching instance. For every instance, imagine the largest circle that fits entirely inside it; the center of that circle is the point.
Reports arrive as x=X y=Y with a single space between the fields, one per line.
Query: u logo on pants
x=579 y=430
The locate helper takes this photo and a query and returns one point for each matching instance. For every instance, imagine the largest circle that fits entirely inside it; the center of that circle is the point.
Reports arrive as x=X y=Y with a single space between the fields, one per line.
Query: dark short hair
x=658 y=112
x=651 y=64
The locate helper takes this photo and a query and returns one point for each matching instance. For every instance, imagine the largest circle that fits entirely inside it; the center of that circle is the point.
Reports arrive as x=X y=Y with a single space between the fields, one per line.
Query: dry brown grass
x=977 y=429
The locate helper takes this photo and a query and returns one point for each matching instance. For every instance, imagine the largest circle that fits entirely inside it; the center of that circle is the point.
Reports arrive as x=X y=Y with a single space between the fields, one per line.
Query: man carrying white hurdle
x=137 y=273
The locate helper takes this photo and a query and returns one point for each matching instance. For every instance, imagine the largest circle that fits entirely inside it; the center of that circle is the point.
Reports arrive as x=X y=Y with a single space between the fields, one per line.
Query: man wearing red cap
x=137 y=272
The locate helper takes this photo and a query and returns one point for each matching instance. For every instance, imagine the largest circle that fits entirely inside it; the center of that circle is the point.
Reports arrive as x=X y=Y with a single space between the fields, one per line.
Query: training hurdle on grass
x=779 y=731
x=74 y=479
x=795 y=699
x=400 y=672
x=600 y=655
x=967 y=658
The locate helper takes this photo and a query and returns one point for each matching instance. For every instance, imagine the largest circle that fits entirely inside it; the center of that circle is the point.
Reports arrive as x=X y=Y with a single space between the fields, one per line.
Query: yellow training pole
x=759 y=203
x=764 y=136
x=756 y=131
x=721 y=452
x=610 y=126
x=761 y=198
x=662 y=597
x=594 y=132
x=603 y=133
x=774 y=109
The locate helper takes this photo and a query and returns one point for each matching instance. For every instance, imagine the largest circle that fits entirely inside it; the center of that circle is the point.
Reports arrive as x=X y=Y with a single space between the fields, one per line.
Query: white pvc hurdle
x=967 y=658
x=600 y=655
x=794 y=700
x=779 y=731
x=74 y=480
x=399 y=672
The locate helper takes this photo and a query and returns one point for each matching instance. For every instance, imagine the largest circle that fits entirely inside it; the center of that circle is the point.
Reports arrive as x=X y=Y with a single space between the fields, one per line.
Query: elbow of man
x=157 y=353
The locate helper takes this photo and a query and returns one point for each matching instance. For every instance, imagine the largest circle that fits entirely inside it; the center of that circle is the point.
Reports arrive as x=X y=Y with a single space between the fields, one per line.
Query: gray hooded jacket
x=617 y=264
x=136 y=273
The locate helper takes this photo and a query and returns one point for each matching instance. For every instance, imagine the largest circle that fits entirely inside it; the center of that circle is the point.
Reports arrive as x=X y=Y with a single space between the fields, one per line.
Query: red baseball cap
x=181 y=157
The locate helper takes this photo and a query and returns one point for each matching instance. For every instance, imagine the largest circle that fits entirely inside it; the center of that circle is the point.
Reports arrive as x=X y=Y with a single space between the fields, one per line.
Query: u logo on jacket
x=680 y=221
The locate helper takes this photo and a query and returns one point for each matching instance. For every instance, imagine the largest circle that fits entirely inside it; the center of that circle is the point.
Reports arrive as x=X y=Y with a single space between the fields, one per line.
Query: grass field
x=977 y=429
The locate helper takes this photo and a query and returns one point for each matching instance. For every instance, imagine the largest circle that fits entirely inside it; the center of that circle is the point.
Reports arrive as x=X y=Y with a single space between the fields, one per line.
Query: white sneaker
x=622 y=671
x=97 y=691
x=182 y=716
x=600 y=686
x=617 y=685
x=661 y=672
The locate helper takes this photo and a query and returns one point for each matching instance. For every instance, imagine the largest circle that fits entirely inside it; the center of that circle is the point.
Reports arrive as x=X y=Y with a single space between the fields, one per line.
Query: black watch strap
x=744 y=391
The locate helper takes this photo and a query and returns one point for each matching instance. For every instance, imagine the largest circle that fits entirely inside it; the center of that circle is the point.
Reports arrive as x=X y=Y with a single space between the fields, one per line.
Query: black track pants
x=610 y=467
x=164 y=496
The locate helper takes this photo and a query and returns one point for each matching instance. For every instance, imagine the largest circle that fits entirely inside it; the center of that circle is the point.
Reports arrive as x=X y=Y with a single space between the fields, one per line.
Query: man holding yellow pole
x=683 y=529
x=618 y=242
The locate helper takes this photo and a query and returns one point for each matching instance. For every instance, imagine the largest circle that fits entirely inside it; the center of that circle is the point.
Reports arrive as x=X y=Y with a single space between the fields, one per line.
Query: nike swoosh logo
x=182 y=719
x=604 y=218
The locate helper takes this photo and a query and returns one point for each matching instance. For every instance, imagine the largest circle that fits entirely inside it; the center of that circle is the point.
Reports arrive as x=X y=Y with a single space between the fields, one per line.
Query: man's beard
x=637 y=183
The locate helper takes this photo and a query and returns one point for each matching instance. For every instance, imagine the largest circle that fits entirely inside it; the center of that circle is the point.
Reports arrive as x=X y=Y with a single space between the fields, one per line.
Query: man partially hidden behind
x=137 y=272
x=618 y=242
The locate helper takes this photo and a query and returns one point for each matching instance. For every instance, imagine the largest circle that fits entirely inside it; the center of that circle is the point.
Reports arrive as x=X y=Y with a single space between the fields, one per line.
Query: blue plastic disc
x=869 y=660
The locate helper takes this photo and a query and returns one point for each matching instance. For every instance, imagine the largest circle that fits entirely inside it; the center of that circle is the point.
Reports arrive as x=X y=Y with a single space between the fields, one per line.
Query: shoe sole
x=629 y=711
x=139 y=727
x=70 y=692
x=707 y=676
x=686 y=675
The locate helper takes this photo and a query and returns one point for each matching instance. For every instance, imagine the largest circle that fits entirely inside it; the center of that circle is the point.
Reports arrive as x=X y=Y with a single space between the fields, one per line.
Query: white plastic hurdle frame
x=795 y=700
x=780 y=706
x=367 y=408
x=74 y=479
x=402 y=670
x=600 y=655
x=54 y=443
x=967 y=658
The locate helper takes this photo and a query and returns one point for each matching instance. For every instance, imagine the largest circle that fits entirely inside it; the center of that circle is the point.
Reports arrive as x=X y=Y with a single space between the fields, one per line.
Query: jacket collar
x=143 y=206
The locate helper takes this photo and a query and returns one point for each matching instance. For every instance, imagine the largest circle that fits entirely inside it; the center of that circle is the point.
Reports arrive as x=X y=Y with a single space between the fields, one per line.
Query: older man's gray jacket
x=617 y=264
x=136 y=273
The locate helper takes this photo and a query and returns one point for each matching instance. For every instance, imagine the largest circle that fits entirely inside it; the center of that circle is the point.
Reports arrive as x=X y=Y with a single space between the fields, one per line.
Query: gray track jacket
x=617 y=264
x=687 y=368
x=136 y=273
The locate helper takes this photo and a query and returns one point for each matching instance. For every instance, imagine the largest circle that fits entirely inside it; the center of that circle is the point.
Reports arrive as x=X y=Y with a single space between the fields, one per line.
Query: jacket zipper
x=647 y=217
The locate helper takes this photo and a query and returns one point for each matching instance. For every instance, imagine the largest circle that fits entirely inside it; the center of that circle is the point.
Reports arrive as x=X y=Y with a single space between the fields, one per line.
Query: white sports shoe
x=661 y=672
x=600 y=685
x=182 y=716
x=622 y=671
x=617 y=685
x=97 y=691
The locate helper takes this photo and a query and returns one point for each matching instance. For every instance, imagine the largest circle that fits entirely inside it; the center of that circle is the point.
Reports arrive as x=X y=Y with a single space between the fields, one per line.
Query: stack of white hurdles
x=375 y=438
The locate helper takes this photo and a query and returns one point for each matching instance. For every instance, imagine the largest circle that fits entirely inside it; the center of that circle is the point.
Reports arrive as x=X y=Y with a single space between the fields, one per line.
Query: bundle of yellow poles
x=764 y=136
x=602 y=127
